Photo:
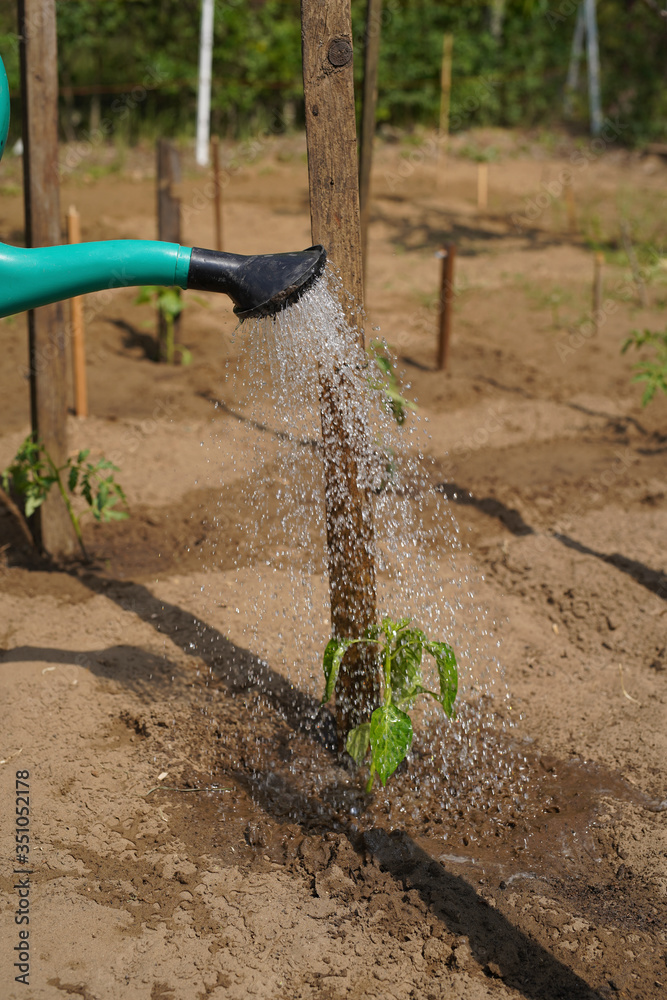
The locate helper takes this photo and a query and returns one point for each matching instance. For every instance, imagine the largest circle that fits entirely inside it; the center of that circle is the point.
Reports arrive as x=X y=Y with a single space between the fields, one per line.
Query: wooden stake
x=331 y=136
x=48 y=367
x=448 y=255
x=169 y=221
x=78 y=331
x=371 y=60
x=326 y=32
x=571 y=208
x=482 y=186
x=445 y=105
x=597 y=291
x=217 y=189
x=168 y=205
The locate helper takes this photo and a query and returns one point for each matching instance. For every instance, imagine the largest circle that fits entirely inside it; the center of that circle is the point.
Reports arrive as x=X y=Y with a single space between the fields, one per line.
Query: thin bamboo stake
x=445 y=104
x=78 y=330
x=448 y=255
x=217 y=191
x=597 y=291
x=482 y=186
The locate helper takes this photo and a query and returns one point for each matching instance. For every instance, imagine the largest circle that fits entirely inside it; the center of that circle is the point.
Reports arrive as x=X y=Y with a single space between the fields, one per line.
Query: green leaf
x=186 y=355
x=373 y=632
x=449 y=678
x=73 y=477
x=146 y=293
x=390 y=738
x=392 y=628
x=358 y=742
x=114 y=515
x=32 y=502
x=406 y=661
x=333 y=655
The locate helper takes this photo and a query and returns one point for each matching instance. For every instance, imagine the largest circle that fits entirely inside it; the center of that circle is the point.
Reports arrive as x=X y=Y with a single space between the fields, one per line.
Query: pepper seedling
x=389 y=732
x=33 y=472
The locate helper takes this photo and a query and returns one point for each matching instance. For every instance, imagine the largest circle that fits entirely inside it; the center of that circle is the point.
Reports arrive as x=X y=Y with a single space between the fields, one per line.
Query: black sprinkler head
x=259 y=285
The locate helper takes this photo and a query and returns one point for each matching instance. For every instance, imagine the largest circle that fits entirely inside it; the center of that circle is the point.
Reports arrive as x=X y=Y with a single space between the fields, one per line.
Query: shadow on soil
x=146 y=342
x=652 y=579
x=521 y=962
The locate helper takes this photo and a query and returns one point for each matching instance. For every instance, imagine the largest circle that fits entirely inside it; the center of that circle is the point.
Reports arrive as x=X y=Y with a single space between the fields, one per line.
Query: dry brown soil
x=191 y=834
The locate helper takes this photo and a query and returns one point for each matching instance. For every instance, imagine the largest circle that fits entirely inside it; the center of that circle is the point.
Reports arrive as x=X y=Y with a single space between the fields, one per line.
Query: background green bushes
x=510 y=63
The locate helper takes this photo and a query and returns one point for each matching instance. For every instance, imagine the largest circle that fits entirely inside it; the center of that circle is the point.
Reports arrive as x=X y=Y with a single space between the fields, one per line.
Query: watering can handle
x=4 y=106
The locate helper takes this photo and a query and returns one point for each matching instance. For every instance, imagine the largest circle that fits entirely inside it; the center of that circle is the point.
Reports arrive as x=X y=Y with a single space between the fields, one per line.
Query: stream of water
x=423 y=569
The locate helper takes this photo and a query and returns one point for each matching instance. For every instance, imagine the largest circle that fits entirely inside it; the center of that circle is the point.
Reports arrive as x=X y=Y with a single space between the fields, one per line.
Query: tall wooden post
x=46 y=328
x=334 y=210
x=371 y=60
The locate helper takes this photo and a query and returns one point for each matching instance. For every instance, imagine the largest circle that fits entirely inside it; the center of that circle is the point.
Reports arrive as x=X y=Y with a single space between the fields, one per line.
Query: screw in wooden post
x=448 y=255
x=78 y=331
x=482 y=186
x=597 y=291
x=217 y=190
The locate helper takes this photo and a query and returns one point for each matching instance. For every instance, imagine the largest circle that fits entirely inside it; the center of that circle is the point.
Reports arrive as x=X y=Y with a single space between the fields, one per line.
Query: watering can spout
x=259 y=285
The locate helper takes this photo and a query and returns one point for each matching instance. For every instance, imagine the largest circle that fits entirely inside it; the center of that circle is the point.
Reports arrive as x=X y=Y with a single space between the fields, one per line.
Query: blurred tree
x=510 y=62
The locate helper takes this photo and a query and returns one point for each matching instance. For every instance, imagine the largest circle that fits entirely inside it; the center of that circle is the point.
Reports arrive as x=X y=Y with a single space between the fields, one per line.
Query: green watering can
x=258 y=285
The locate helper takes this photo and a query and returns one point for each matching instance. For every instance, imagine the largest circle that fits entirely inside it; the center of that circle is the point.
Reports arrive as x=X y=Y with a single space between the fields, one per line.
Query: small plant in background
x=384 y=380
x=33 y=472
x=170 y=304
x=653 y=373
x=388 y=734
